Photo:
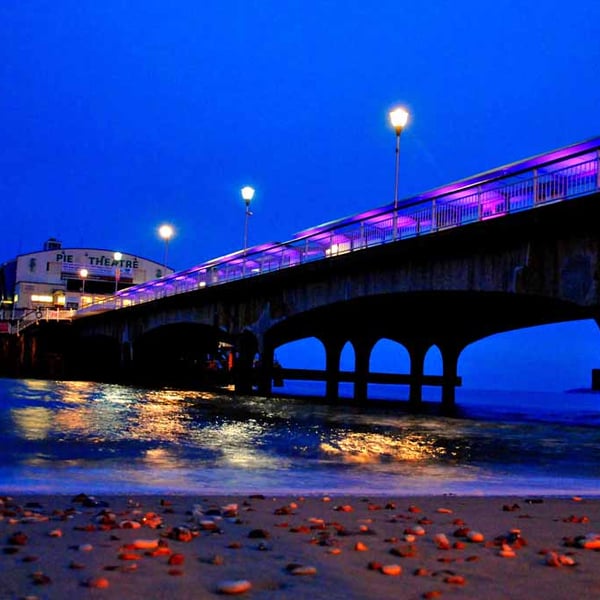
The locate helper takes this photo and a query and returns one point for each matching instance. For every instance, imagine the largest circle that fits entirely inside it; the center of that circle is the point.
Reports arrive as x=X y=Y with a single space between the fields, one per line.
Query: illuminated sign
x=100 y=261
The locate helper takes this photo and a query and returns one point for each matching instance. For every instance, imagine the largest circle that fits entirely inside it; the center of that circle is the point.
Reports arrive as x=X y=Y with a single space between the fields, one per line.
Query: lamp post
x=117 y=256
x=83 y=273
x=247 y=195
x=166 y=233
x=398 y=119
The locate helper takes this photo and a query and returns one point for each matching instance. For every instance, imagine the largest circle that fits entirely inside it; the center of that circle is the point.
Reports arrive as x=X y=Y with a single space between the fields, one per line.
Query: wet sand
x=195 y=547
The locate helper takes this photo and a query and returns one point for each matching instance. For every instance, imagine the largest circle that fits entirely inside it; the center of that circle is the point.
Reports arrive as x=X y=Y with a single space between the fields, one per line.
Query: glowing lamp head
x=165 y=232
x=83 y=273
x=247 y=194
x=117 y=256
x=398 y=119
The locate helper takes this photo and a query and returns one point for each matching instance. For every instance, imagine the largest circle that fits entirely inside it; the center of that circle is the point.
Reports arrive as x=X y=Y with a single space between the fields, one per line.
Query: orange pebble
x=160 y=551
x=176 y=559
x=432 y=594
x=391 y=569
x=144 y=544
x=360 y=547
x=129 y=556
x=98 y=582
x=231 y=587
x=475 y=536
x=455 y=579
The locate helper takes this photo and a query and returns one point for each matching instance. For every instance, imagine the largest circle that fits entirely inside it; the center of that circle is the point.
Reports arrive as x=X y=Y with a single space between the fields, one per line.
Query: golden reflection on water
x=376 y=447
x=32 y=423
x=76 y=392
x=238 y=444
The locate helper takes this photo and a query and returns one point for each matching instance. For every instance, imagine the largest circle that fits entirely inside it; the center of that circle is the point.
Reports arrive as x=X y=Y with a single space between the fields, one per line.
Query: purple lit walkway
x=553 y=177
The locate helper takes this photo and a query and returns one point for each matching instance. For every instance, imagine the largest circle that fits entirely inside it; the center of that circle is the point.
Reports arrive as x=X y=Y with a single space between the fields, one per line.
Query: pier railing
x=557 y=176
x=34 y=316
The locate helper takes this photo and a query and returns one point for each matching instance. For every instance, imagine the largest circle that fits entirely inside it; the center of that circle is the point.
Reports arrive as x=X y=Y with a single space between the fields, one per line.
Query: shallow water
x=98 y=438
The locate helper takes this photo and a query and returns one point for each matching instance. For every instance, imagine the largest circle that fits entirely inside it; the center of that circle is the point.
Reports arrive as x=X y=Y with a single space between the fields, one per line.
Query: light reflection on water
x=73 y=436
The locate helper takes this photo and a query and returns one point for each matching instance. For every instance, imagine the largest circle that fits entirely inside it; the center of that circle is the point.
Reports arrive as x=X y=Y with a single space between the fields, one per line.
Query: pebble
x=591 y=541
x=506 y=551
x=455 y=579
x=145 y=544
x=129 y=556
x=475 y=536
x=303 y=570
x=176 y=559
x=97 y=582
x=231 y=587
x=554 y=559
x=258 y=534
x=391 y=569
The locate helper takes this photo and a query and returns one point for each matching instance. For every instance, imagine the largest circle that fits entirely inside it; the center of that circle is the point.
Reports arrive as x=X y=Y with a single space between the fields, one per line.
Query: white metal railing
x=35 y=315
x=554 y=177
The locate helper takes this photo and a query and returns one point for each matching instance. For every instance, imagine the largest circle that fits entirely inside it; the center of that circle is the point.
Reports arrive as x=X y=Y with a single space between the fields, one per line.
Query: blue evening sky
x=118 y=115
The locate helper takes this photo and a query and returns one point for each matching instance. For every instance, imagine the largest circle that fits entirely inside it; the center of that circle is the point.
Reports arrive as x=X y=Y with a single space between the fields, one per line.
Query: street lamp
x=398 y=118
x=247 y=195
x=117 y=256
x=166 y=233
x=83 y=273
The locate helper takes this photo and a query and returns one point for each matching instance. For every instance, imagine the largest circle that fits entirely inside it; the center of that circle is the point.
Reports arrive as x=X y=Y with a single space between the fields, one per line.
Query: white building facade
x=60 y=278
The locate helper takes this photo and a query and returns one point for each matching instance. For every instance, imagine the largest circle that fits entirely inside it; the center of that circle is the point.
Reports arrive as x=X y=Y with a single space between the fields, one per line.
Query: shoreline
x=188 y=546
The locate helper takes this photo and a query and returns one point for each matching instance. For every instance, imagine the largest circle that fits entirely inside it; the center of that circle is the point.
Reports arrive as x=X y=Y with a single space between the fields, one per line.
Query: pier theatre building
x=61 y=280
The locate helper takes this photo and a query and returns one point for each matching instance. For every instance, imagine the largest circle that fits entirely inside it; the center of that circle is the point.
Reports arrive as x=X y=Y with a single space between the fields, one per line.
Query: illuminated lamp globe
x=398 y=119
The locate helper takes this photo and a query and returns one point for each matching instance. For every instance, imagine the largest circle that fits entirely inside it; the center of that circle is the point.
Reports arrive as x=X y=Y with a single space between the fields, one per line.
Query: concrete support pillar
x=265 y=371
x=246 y=348
x=362 y=354
x=126 y=358
x=125 y=350
x=450 y=354
x=417 y=353
x=333 y=351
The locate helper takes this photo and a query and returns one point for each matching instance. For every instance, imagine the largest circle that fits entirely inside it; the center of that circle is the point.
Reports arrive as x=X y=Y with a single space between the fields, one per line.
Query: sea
x=72 y=437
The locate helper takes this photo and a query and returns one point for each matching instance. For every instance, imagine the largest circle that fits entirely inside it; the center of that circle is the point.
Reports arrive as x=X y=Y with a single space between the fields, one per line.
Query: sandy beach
x=184 y=547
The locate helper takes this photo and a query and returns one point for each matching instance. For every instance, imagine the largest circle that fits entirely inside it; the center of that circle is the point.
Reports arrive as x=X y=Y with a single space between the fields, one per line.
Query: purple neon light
x=476 y=198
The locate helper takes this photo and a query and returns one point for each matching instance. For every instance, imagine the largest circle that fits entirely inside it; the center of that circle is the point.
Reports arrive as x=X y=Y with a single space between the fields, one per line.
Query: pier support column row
x=363 y=347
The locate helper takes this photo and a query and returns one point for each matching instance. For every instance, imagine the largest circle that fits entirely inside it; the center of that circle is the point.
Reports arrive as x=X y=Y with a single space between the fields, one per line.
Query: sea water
x=71 y=437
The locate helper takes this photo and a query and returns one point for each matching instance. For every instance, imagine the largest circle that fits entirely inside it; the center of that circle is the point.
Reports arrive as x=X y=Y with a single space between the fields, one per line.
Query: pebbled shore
x=263 y=547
